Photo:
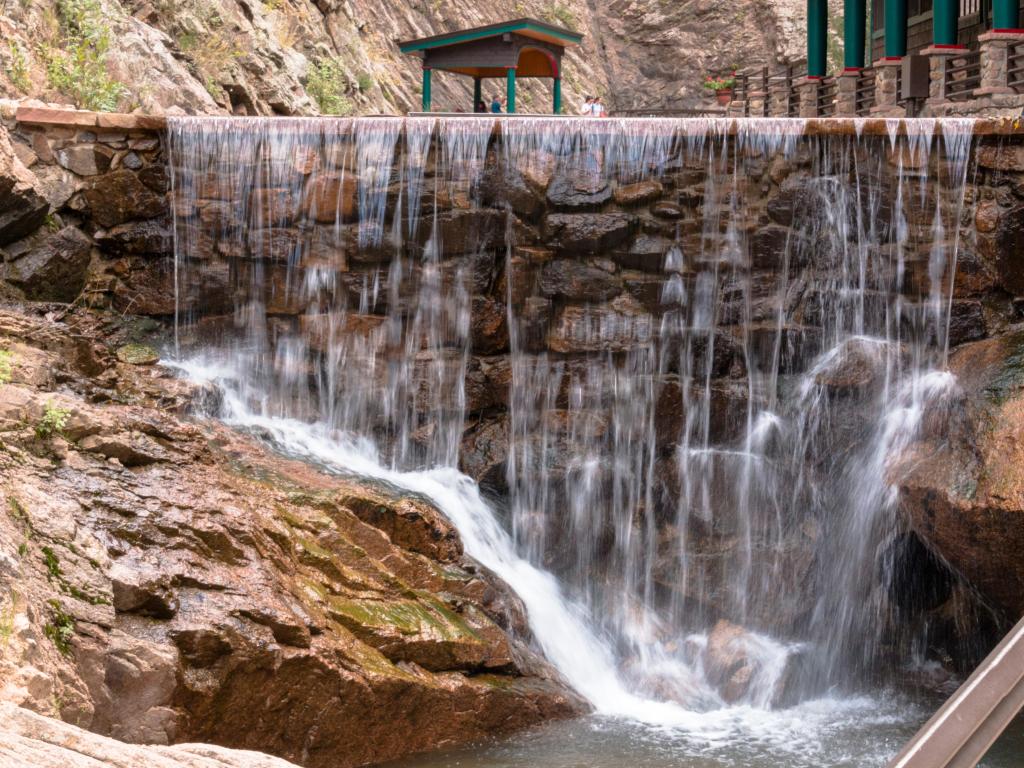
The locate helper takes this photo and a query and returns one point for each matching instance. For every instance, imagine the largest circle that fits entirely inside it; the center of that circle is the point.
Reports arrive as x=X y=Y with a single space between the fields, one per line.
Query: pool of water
x=853 y=733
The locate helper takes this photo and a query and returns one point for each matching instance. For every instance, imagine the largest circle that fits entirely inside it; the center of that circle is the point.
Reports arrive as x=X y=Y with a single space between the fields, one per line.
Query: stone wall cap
x=31 y=115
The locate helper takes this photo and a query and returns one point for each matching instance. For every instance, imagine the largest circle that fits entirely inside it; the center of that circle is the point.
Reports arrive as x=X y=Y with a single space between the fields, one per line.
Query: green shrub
x=326 y=84
x=53 y=421
x=561 y=14
x=79 y=67
x=364 y=81
x=61 y=627
x=6 y=360
x=17 y=68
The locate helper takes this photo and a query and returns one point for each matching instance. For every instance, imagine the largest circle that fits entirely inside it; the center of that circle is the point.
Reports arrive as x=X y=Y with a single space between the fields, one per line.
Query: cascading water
x=689 y=350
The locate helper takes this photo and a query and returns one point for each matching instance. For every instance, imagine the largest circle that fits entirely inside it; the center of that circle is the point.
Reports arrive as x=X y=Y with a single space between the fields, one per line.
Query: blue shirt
x=495 y=106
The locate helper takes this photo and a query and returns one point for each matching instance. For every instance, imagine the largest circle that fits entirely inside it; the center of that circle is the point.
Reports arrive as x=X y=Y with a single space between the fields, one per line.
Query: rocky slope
x=28 y=740
x=165 y=581
x=275 y=56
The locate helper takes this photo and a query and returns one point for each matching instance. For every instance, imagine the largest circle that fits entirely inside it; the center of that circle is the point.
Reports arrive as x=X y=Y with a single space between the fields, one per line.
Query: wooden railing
x=963 y=75
x=826 y=103
x=1015 y=68
x=865 y=92
x=749 y=81
x=665 y=112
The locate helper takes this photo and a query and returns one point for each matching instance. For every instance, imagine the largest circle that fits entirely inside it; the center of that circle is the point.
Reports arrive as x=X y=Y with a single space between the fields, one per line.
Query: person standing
x=587 y=110
x=598 y=108
x=496 y=105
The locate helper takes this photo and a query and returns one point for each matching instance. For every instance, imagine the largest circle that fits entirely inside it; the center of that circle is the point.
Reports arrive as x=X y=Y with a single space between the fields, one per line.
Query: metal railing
x=963 y=75
x=964 y=728
x=865 y=98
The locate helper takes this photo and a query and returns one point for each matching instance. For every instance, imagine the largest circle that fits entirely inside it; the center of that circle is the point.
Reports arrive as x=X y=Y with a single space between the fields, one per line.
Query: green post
x=426 y=89
x=945 y=14
x=510 y=90
x=478 y=92
x=557 y=106
x=854 y=26
x=895 y=29
x=1005 y=15
x=817 y=31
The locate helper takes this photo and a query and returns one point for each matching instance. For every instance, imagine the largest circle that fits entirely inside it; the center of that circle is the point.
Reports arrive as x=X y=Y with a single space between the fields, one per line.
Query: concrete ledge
x=815 y=126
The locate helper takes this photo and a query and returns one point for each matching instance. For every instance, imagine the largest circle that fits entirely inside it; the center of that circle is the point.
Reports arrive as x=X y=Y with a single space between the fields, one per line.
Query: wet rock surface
x=964 y=493
x=174 y=581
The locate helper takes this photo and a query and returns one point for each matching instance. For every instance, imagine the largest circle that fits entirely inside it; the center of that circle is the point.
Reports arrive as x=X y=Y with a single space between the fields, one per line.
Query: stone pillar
x=995 y=50
x=846 y=92
x=887 y=95
x=807 y=88
x=939 y=58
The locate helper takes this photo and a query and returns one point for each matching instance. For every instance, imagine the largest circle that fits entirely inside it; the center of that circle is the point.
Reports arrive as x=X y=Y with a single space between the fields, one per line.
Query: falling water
x=682 y=418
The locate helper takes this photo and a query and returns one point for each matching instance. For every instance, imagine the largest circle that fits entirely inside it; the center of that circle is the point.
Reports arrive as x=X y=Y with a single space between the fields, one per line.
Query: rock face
x=965 y=495
x=28 y=740
x=206 y=56
x=167 y=581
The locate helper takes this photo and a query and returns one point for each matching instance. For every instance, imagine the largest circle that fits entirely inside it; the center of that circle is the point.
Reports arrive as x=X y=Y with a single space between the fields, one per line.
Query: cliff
x=304 y=57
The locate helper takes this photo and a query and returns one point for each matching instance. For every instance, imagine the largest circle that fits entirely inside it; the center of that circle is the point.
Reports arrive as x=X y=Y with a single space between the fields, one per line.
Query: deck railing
x=963 y=75
x=1015 y=68
x=865 y=92
x=826 y=101
x=749 y=81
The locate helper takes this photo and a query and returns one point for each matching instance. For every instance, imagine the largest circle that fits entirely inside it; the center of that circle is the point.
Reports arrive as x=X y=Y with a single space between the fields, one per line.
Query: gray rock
x=588 y=233
x=53 y=267
x=23 y=204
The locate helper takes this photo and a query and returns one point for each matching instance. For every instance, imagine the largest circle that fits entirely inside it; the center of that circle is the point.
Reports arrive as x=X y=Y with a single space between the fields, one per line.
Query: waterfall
x=678 y=356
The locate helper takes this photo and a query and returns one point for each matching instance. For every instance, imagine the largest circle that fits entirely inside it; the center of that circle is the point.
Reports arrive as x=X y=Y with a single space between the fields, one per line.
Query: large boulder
x=175 y=581
x=961 y=484
x=23 y=204
x=51 y=266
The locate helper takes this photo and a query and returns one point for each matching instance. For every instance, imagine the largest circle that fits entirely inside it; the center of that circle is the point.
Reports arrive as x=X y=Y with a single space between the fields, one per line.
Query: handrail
x=963 y=75
x=865 y=92
x=1015 y=68
x=966 y=726
x=826 y=100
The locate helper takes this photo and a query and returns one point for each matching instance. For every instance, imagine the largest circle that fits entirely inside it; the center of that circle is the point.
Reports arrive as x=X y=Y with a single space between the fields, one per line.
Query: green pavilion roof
x=539 y=30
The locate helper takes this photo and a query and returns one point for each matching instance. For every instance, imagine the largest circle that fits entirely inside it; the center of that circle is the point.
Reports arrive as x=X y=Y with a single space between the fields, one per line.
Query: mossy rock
x=138 y=354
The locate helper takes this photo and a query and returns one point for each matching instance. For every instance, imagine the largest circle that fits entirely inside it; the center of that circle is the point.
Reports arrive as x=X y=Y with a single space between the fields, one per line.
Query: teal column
x=426 y=89
x=478 y=92
x=557 y=99
x=945 y=14
x=895 y=29
x=1005 y=15
x=817 y=31
x=510 y=90
x=855 y=22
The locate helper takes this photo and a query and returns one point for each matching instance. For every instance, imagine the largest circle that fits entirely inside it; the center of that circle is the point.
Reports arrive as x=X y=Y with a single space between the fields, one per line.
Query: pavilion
x=510 y=50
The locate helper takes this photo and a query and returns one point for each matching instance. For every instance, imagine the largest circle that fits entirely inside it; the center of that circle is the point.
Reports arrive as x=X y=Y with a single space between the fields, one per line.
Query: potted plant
x=722 y=86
